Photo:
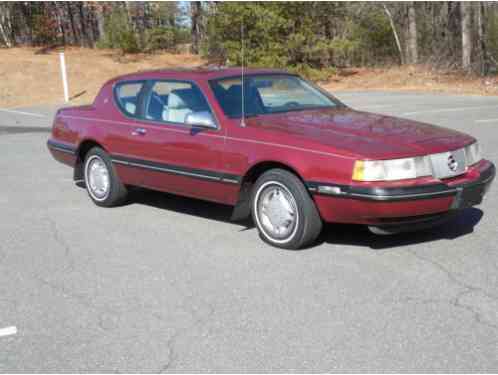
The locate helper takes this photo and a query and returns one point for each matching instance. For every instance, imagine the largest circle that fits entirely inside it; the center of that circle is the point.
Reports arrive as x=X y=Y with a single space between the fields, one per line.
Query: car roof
x=195 y=73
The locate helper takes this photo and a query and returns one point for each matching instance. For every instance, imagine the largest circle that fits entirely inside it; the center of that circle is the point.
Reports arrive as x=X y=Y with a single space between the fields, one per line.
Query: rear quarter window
x=127 y=95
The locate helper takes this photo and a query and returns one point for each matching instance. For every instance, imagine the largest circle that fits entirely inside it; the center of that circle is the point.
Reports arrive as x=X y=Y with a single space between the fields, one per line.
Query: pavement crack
x=474 y=310
x=59 y=239
x=452 y=276
x=199 y=319
x=3 y=254
x=466 y=289
x=60 y=289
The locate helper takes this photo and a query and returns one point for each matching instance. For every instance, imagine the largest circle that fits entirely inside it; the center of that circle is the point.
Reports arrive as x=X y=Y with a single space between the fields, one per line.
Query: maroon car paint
x=318 y=145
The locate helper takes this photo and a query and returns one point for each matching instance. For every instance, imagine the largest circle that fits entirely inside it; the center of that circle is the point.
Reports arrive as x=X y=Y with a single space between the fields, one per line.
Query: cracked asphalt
x=169 y=284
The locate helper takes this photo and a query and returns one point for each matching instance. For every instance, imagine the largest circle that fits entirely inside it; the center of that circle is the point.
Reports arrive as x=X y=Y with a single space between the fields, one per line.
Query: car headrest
x=235 y=91
x=252 y=99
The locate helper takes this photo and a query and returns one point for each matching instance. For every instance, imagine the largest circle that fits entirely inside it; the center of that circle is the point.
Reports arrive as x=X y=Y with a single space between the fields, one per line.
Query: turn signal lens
x=358 y=170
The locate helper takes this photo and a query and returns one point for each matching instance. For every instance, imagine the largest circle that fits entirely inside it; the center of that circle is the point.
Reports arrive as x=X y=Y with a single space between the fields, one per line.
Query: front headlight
x=473 y=154
x=390 y=170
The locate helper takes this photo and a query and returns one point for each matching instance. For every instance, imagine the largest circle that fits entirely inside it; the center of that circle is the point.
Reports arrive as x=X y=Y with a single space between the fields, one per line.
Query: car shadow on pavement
x=359 y=235
x=336 y=234
x=185 y=205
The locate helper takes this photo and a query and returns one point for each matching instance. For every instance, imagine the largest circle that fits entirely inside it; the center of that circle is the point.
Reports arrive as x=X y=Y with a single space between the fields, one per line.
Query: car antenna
x=242 y=121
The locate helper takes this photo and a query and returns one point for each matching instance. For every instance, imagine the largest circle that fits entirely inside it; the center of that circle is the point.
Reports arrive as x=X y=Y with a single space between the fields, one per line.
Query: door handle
x=139 y=131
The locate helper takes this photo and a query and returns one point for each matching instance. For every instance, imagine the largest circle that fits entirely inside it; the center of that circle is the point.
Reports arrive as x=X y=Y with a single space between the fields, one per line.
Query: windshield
x=266 y=94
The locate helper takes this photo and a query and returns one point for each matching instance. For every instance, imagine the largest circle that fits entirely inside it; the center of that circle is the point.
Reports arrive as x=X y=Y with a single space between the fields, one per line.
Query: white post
x=64 y=76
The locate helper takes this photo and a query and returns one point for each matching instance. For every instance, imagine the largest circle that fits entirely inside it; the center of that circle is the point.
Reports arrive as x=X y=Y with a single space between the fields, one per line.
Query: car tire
x=283 y=210
x=101 y=180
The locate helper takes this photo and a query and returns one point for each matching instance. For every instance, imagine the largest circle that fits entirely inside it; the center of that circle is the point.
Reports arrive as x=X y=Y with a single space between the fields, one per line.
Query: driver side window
x=172 y=101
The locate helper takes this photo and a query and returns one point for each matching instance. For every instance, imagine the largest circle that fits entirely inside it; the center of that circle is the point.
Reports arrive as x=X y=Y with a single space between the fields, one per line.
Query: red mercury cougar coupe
x=272 y=145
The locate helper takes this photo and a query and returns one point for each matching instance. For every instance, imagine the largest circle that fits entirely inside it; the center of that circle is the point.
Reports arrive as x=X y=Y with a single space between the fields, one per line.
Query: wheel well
x=81 y=152
x=242 y=209
x=257 y=170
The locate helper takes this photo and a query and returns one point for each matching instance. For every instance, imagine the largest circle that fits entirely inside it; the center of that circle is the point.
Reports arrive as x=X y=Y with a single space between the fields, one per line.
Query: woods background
x=312 y=38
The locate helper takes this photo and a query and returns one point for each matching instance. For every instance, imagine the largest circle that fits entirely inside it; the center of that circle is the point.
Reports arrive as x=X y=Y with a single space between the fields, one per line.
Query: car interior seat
x=157 y=106
x=181 y=102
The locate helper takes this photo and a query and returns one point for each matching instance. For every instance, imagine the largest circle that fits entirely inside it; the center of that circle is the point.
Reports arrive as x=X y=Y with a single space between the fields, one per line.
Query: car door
x=178 y=157
x=121 y=124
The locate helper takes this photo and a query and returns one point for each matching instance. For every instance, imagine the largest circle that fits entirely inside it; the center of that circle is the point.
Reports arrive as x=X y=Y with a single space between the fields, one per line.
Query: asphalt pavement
x=169 y=284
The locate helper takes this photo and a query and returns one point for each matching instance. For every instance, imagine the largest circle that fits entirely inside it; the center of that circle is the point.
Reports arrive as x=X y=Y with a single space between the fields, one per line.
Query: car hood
x=363 y=134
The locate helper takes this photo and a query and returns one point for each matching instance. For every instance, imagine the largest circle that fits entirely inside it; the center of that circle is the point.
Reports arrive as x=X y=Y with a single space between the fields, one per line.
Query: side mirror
x=203 y=119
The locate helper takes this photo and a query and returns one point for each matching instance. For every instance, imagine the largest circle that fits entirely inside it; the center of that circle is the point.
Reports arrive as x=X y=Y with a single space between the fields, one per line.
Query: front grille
x=448 y=164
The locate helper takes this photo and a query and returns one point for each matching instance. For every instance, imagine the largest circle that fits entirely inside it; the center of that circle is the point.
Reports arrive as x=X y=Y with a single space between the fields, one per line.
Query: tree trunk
x=412 y=55
x=100 y=20
x=7 y=15
x=395 y=33
x=434 y=26
x=453 y=27
x=5 y=26
x=60 y=24
x=481 y=33
x=76 y=37
x=195 y=11
x=140 y=22
x=466 y=36
x=86 y=37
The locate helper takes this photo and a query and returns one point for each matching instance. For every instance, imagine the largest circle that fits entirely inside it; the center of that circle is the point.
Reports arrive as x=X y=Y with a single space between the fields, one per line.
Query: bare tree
x=195 y=13
x=395 y=33
x=481 y=37
x=412 y=45
x=465 y=10
x=76 y=36
x=85 y=26
x=140 y=22
x=99 y=14
x=5 y=24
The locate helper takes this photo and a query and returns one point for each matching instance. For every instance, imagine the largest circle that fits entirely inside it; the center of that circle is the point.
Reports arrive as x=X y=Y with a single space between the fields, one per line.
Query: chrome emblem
x=452 y=163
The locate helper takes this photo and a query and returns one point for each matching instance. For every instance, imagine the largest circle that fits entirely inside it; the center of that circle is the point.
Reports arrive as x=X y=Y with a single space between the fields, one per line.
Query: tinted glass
x=264 y=94
x=127 y=96
x=172 y=101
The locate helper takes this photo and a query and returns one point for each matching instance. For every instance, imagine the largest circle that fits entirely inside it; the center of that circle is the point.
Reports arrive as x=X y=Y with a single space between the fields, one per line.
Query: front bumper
x=386 y=205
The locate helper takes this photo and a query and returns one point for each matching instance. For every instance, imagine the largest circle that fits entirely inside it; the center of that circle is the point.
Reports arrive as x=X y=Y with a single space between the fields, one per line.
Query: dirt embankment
x=30 y=78
x=413 y=78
